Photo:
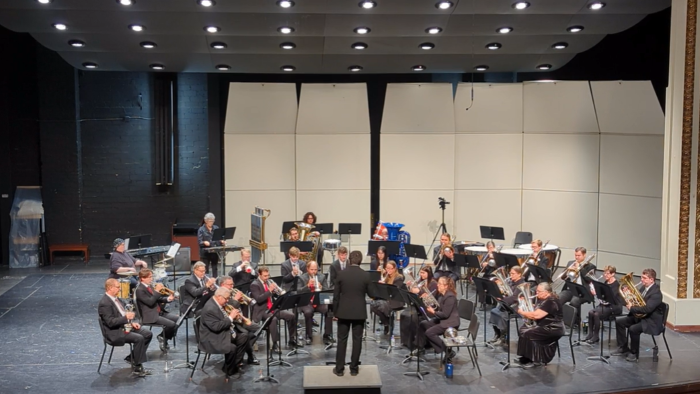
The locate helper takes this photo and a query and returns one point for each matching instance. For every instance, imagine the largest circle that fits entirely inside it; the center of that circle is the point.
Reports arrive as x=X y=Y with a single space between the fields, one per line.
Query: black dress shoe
x=327 y=340
x=632 y=357
x=386 y=329
x=621 y=351
x=313 y=321
x=128 y=359
x=276 y=348
x=338 y=373
x=253 y=361
x=161 y=343
x=308 y=341
x=141 y=371
x=452 y=354
x=234 y=376
x=593 y=340
x=529 y=365
x=294 y=344
x=354 y=372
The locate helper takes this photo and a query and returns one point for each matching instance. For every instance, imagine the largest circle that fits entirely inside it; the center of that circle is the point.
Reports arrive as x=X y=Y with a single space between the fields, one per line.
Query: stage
x=52 y=343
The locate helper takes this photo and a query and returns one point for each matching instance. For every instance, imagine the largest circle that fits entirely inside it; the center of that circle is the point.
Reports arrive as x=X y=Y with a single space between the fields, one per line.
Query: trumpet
x=240 y=319
x=274 y=288
x=245 y=300
x=167 y=292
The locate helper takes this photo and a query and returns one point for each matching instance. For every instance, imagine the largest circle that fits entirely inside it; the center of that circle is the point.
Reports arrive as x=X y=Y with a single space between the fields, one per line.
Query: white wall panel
x=259 y=162
x=417 y=161
x=333 y=109
x=488 y=161
x=418 y=210
x=497 y=108
x=497 y=208
x=630 y=225
x=558 y=107
x=418 y=108
x=338 y=206
x=629 y=107
x=340 y=161
x=567 y=219
x=561 y=162
x=261 y=108
x=631 y=164
x=625 y=263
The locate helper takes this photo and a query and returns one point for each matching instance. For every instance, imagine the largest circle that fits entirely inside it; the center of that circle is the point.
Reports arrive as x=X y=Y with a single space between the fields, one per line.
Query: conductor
x=352 y=284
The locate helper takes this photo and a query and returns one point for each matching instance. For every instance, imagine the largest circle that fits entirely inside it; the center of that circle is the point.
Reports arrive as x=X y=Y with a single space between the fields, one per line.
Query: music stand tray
x=303 y=246
x=392 y=247
x=604 y=292
x=324 y=228
x=507 y=260
x=374 y=276
x=541 y=274
x=488 y=232
x=349 y=228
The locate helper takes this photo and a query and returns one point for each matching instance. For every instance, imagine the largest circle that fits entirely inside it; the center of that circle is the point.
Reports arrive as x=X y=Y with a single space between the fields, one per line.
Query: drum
x=124 y=288
x=331 y=244
x=521 y=254
x=478 y=250
x=552 y=253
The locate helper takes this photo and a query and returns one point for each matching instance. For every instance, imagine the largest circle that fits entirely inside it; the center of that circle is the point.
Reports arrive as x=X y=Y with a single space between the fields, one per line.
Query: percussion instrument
x=476 y=249
x=159 y=273
x=148 y=251
x=331 y=244
x=551 y=251
x=124 y=288
x=128 y=273
x=226 y=248
x=521 y=254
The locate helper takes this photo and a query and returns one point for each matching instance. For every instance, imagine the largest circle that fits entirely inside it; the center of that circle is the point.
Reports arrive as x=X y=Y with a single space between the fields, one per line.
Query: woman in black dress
x=537 y=344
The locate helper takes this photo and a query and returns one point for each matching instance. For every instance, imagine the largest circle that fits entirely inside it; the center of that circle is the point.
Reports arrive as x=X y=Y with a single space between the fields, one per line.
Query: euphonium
x=409 y=280
x=275 y=289
x=631 y=294
x=429 y=298
x=245 y=300
x=525 y=303
x=240 y=319
x=502 y=281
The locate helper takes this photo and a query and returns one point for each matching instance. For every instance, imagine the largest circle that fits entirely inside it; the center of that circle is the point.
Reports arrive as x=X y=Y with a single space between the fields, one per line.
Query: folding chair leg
x=103 y=357
x=571 y=346
x=668 y=349
x=475 y=361
x=196 y=361
x=110 y=355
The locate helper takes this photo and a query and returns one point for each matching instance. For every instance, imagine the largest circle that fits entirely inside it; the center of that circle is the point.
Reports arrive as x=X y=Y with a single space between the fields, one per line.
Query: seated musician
x=537 y=258
x=291 y=269
x=446 y=266
x=410 y=318
x=218 y=333
x=204 y=238
x=244 y=271
x=198 y=288
x=119 y=328
x=446 y=316
x=537 y=344
x=262 y=292
x=488 y=265
x=149 y=300
x=338 y=265
x=651 y=323
x=312 y=281
x=244 y=325
x=124 y=263
x=582 y=279
x=383 y=308
x=310 y=218
x=605 y=309
x=445 y=239
x=499 y=316
x=378 y=262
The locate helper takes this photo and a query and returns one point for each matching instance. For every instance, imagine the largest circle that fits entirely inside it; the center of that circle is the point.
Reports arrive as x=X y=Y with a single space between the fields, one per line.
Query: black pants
x=140 y=338
x=409 y=327
x=308 y=312
x=169 y=323
x=601 y=312
x=344 y=326
x=235 y=356
x=431 y=331
x=568 y=296
x=211 y=260
x=634 y=325
x=287 y=316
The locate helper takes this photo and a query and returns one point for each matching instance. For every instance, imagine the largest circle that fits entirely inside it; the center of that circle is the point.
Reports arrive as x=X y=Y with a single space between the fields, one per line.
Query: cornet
x=240 y=319
x=245 y=300
x=274 y=288
x=167 y=292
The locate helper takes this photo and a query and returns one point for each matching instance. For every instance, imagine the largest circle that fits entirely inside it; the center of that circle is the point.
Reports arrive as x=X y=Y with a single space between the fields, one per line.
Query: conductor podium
x=321 y=379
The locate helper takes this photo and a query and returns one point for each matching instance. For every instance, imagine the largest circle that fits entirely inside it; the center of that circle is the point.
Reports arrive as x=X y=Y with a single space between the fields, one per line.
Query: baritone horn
x=630 y=292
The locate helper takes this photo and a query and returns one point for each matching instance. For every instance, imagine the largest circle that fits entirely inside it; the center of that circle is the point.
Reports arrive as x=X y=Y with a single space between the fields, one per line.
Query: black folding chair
x=570 y=314
x=110 y=343
x=655 y=356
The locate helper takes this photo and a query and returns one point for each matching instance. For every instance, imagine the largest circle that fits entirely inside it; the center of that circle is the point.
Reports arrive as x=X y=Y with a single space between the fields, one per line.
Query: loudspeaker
x=181 y=262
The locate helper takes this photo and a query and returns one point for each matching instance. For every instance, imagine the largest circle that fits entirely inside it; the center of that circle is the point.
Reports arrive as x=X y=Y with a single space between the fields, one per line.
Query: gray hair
x=209 y=215
x=199 y=264
x=223 y=292
x=222 y=279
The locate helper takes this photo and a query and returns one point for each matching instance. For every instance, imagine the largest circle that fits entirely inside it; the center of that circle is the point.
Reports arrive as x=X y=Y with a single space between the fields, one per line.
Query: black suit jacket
x=351 y=287
x=112 y=320
x=286 y=272
x=148 y=303
x=193 y=291
x=257 y=291
x=242 y=276
x=582 y=272
x=214 y=329
x=654 y=309
x=451 y=265
x=334 y=270
x=448 y=314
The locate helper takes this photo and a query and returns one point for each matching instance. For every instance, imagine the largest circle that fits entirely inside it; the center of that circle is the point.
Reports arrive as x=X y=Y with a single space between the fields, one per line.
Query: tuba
x=502 y=280
x=631 y=294
x=525 y=302
x=409 y=280
x=305 y=235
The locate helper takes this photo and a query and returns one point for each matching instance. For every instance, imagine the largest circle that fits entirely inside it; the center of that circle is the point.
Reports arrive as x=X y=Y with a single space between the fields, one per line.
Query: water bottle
x=585 y=327
x=448 y=369
x=393 y=341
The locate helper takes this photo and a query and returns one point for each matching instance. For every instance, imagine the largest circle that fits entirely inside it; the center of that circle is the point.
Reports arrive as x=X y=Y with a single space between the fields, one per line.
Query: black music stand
x=388 y=293
x=488 y=232
x=349 y=229
x=605 y=293
x=417 y=252
x=139 y=241
x=583 y=293
x=488 y=289
x=293 y=301
x=505 y=260
x=267 y=378
x=466 y=261
x=324 y=228
x=392 y=247
x=374 y=275
x=222 y=234
x=507 y=364
x=188 y=364
x=416 y=305
x=286 y=226
x=277 y=306
x=303 y=246
x=541 y=274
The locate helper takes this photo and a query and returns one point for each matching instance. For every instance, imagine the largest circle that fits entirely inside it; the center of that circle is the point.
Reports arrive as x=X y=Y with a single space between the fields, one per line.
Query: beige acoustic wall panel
x=333 y=109
x=338 y=206
x=333 y=162
x=629 y=107
x=566 y=162
x=259 y=161
x=632 y=164
x=496 y=208
x=496 y=108
x=261 y=108
x=626 y=263
x=488 y=161
x=567 y=219
x=418 y=108
x=558 y=107
x=630 y=225
x=418 y=210
x=417 y=161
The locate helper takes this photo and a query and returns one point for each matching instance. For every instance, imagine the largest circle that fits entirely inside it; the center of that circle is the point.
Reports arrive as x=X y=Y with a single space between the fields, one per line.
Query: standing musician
x=291 y=269
x=121 y=262
x=152 y=312
x=604 y=310
x=339 y=265
x=351 y=287
x=447 y=316
x=218 y=333
x=537 y=344
x=651 y=323
x=204 y=237
x=410 y=319
x=312 y=281
x=445 y=240
x=383 y=308
x=446 y=266
x=536 y=258
x=197 y=288
x=120 y=329
x=244 y=271
x=242 y=325
x=499 y=317
x=573 y=265
x=378 y=262
x=262 y=292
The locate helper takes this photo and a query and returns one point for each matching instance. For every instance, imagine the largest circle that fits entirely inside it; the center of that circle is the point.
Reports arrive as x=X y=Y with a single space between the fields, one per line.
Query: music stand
x=416 y=304
x=541 y=274
x=303 y=246
x=417 y=252
x=388 y=293
x=139 y=241
x=374 y=276
x=605 y=293
x=293 y=301
x=507 y=260
x=188 y=364
x=488 y=289
x=488 y=232
x=324 y=228
x=392 y=247
x=349 y=229
x=222 y=234
x=507 y=364
x=267 y=378
x=286 y=226
x=583 y=293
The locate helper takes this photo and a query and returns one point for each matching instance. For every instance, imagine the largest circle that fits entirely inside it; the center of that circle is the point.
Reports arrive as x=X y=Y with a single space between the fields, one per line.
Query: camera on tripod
x=442 y=203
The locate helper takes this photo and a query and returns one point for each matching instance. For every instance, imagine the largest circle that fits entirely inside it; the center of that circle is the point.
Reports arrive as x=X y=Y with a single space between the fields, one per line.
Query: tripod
x=442 y=226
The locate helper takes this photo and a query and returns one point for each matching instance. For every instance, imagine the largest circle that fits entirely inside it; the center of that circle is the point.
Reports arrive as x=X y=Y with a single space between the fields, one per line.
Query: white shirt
x=118 y=304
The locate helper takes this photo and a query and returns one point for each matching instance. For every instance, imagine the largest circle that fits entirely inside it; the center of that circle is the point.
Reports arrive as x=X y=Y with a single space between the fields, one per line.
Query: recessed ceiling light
x=493 y=46
x=76 y=43
x=218 y=45
x=355 y=68
x=433 y=30
x=157 y=66
x=206 y=3
x=125 y=2
x=367 y=4
x=544 y=66
x=60 y=26
x=286 y=30
x=137 y=28
x=359 y=45
x=574 y=29
x=288 y=68
x=560 y=45
x=44 y=1
x=288 y=45
x=505 y=29
x=285 y=3
x=148 y=44
x=418 y=68
x=427 y=46
x=90 y=65
x=362 y=30
x=521 y=5
x=223 y=67
x=596 y=5
x=444 y=5
x=212 y=29
x=481 y=67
